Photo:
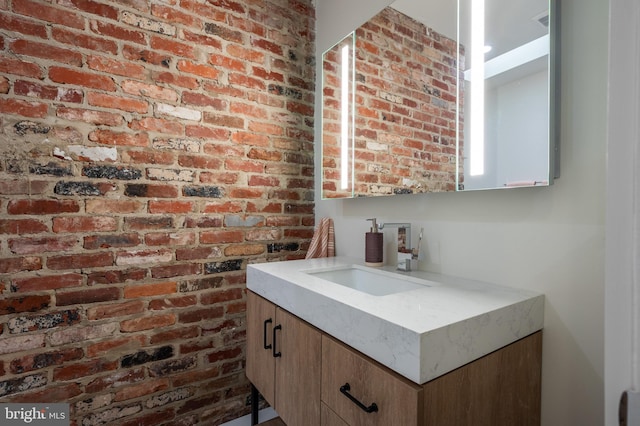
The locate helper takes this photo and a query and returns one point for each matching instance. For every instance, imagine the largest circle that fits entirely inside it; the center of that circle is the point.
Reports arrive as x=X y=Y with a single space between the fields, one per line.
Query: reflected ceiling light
x=476 y=134
x=344 y=119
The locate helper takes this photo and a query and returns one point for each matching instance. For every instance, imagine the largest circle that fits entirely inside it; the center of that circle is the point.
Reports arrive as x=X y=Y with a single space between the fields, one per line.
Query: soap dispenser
x=373 y=244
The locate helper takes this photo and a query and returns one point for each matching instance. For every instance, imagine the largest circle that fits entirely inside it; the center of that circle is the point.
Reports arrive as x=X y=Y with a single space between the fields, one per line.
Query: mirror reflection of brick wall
x=405 y=107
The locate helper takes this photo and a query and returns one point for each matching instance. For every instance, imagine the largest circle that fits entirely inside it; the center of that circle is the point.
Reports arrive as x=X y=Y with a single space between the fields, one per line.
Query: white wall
x=546 y=239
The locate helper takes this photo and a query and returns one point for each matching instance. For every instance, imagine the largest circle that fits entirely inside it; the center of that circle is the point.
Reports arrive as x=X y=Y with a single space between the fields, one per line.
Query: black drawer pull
x=276 y=354
x=264 y=333
x=373 y=408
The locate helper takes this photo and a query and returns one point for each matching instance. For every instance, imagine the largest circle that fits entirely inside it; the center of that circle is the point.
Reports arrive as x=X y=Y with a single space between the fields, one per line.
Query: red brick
x=81 y=78
x=95 y=8
x=175 y=334
x=147 y=323
x=96 y=44
x=244 y=165
x=80 y=261
x=42 y=207
x=119 y=32
x=116 y=379
x=245 y=193
x=22 y=226
x=114 y=310
x=160 y=206
x=46 y=51
x=169 y=14
x=31 y=303
x=221 y=296
x=148 y=157
x=117 y=102
x=197 y=315
x=149 y=90
x=198 y=99
x=176 y=270
x=176 y=80
x=38 y=245
x=88 y=296
x=84 y=224
x=19 y=264
x=112 y=66
x=149 y=290
x=42 y=11
x=198 y=69
x=225 y=354
x=52 y=393
x=90 y=116
x=23 y=26
x=219 y=237
x=45 y=359
x=109 y=137
x=207 y=132
x=157 y=125
x=180 y=49
x=172 y=303
x=23 y=108
x=50 y=282
x=170 y=239
x=17 y=67
x=36 y=90
x=85 y=369
x=125 y=344
x=199 y=162
x=227 y=207
x=144 y=56
x=142 y=389
x=201 y=40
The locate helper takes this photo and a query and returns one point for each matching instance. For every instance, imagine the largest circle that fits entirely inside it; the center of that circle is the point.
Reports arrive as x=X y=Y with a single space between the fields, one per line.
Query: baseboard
x=263 y=415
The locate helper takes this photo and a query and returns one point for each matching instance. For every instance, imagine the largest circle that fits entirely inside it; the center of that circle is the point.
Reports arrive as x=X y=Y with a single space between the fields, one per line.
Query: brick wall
x=149 y=150
x=405 y=107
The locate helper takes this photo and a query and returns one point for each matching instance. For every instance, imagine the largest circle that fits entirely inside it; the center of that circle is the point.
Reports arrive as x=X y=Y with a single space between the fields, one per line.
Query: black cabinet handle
x=276 y=354
x=373 y=408
x=264 y=333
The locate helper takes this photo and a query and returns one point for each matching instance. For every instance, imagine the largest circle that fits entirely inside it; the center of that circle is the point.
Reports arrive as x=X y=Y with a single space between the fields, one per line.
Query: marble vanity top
x=420 y=334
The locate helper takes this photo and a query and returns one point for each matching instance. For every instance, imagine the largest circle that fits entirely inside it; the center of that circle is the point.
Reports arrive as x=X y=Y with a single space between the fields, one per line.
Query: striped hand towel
x=323 y=242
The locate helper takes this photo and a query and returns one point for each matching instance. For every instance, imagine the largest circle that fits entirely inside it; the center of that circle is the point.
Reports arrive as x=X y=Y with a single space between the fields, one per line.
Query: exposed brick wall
x=149 y=150
x=405 y=110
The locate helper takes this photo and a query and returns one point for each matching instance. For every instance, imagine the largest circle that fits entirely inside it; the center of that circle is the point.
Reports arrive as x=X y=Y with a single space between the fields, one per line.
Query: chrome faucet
x=405 y=253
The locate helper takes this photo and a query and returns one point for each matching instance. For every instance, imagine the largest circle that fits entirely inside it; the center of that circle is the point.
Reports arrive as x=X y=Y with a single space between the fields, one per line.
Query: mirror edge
x=554 y=85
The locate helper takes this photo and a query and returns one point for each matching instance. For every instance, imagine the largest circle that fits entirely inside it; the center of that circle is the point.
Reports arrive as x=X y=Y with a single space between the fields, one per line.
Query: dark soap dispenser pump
x=373 y=245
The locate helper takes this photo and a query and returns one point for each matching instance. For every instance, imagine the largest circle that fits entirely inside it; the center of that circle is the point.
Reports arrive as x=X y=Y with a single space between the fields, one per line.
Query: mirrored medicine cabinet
x=439 y=95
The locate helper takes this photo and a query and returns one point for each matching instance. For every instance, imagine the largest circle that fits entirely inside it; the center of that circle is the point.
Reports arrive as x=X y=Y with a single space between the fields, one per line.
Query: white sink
x=369 y=280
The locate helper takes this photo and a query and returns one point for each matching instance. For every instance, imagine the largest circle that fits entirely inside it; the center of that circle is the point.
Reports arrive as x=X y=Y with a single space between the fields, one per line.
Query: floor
x=263 y=416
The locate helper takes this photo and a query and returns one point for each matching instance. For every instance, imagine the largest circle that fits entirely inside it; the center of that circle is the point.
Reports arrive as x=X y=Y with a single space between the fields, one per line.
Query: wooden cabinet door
x=329 y=418
x=298 y=371
x=397 y=400
x=260 y=369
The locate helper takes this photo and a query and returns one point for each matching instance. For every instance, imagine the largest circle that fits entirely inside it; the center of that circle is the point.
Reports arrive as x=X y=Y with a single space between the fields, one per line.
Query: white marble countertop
x=421 y=334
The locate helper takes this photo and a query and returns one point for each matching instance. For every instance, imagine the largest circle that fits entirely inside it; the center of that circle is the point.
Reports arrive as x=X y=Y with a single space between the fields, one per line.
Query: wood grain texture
x=260 y=369
x=298 y=376
x=398 y=399
x=499 y=389
x=329 y=418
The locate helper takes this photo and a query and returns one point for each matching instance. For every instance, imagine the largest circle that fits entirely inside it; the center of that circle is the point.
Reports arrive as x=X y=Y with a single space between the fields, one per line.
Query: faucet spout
x=405 y=251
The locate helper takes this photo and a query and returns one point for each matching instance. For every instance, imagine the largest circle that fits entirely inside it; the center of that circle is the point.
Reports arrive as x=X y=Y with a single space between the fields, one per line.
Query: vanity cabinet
x=283 y=361
x=322 y=381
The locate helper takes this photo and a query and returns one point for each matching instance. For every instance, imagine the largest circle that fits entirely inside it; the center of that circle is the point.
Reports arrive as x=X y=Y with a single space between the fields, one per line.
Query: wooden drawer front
x=398 y=400
x=329 y=418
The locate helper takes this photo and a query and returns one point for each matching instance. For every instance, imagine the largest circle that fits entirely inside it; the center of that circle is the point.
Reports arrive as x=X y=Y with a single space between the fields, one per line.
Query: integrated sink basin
x=419 y=324
x=370 y=281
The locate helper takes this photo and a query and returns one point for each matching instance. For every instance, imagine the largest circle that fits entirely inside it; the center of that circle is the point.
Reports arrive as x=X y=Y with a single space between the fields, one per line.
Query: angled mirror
x=423 y=118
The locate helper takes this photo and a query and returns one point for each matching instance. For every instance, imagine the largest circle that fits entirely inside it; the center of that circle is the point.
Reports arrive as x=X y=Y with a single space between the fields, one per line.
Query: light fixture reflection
x=476 y=134
x=344 y=119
